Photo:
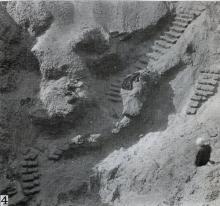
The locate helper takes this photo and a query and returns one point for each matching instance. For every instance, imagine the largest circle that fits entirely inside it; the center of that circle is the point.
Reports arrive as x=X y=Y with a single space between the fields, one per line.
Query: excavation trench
x=78 y=162
x=72 y=172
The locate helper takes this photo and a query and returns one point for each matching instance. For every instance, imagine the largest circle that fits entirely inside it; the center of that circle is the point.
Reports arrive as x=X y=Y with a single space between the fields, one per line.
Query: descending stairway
x=160 y=47
x=113 y=95
x=170 y=37
x=30 y=173
x=206 y=86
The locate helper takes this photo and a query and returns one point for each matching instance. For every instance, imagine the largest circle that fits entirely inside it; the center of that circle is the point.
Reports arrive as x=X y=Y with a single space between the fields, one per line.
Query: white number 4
x=3 y=200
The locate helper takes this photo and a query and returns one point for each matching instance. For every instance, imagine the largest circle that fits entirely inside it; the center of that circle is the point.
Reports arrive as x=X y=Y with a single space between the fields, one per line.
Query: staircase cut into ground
x=160 y=47
x=168 y=39
x=206 y=87
x=30 y=175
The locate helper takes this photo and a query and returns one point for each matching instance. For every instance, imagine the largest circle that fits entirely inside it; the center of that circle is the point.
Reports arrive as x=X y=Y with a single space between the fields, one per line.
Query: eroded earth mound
x=101 y=102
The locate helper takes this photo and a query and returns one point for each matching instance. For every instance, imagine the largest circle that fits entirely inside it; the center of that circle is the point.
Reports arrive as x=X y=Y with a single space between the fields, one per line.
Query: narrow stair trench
x=161 y=46
x=206 y=87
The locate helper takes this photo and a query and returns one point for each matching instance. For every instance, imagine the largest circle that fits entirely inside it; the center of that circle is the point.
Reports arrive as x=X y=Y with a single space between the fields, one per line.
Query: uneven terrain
x=101 y=102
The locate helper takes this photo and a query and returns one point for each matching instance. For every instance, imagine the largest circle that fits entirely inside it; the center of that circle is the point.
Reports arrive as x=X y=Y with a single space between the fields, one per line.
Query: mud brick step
x=32 y=191
x=32 y=156
x=204 y=87
x=191 y=111
x=198 y=98
x=186 y=15
x=117 y=90
x=36 y=182
x=183 y=20
x=203 y=93
x=180 y=24
x=30 y=177
x=207 y=81
x=210 y=71
x=29 y=170
x=30 y=185
x=153 y=56
x=194 y=104
x=159 y=49
x=210 y=76
x=118 y=80
x=177 y=29
x=169 y=39
x=116 y=100
x=163 y=44
x=111 y=94
x=29 y=163
x=214 y=71
x=195 y=12
x=118 y=85
x=173 y=34
x=11 y=192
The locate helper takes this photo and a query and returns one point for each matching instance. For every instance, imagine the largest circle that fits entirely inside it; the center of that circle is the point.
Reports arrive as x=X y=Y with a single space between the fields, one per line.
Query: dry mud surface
x=101 y=103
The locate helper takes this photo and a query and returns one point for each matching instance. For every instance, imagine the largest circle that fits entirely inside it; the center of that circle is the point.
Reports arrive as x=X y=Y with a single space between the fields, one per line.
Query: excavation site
x=109 y=103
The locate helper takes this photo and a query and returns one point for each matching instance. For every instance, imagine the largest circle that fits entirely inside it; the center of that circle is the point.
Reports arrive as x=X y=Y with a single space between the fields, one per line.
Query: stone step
x=29 y=170
x=113 y=89
x=30 y=177
x=210 y=70
x=195 y=12
x=210 y=76
x=208 y=81
x=30 y=185
x=180 y=24
x=116 y=85
x=115 y=100
x=203 y=93
x=31 y=156
x=32 y=191
x=140 y=65
x=183 y=20
x=163 y=44
x=191 y=110
x=29 y=163
x=177 y=29
x=11 y=192
x=173 y=34
x=159 y=49
x=194 y=104
x=169 y=39
x=153 y=56
x=204 y=87
x=186 y=15
x=198 y=98
x=111 y=94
